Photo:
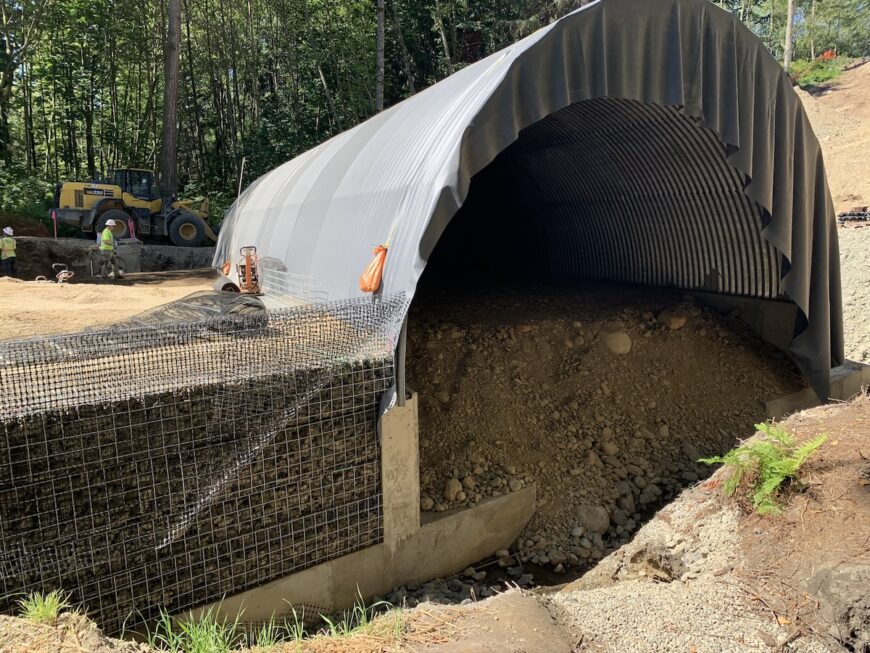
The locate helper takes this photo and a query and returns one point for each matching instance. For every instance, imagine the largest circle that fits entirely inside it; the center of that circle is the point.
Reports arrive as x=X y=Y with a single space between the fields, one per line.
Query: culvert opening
x=553 y=342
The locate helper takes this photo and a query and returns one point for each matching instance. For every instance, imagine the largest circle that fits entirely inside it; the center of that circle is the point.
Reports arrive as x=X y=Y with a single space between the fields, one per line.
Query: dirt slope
x=705 y=576
x=585 y=392
x=841 y=119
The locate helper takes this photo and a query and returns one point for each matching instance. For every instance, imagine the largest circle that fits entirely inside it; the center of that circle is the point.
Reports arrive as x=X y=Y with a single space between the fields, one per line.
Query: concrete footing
x=410 y=552
x=846 y=382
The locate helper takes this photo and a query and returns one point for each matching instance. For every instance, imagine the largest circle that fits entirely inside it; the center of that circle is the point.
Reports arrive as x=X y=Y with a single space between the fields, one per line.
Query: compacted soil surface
x=29 y=308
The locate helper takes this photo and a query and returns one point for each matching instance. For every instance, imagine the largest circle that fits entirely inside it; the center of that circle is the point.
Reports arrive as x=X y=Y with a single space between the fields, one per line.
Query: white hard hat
x=7 y=231
x=110 y=223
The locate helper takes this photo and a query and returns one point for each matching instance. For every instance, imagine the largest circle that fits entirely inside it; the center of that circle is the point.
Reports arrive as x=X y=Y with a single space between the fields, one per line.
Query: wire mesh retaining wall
x=146 y=467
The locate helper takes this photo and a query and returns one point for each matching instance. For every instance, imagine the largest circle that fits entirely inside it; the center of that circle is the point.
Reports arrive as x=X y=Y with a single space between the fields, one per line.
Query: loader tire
x=187 y=230
x=121 y=218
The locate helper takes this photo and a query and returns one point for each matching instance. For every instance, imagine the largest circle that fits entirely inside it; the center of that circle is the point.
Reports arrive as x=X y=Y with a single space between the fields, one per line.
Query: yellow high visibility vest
x=7 y=247
x=107 y=240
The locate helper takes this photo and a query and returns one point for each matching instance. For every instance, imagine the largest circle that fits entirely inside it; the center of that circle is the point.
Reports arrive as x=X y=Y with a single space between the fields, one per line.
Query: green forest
x=83 y=81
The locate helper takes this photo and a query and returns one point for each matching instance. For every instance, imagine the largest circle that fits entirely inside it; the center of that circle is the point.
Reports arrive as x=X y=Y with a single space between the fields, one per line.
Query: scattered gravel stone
x=593 y=518
x=672 y=320
x=609 y=449
x=618 y=342
x=452 y=490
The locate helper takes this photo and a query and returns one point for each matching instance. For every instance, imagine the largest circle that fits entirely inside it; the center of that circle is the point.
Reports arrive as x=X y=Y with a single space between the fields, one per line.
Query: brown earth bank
x=840 y=117
x=703 y=575
x=37 y=255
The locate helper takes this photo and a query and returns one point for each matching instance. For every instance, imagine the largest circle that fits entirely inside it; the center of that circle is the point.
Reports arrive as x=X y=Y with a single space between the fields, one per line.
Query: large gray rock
x=593 y=518
x=618 y=342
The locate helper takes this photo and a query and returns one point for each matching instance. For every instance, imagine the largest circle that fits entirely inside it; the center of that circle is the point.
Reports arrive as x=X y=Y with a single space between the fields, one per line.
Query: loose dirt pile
x=602 y=396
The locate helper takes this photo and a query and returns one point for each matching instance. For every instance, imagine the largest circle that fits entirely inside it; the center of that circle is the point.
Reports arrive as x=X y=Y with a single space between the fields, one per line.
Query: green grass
x=354 y=621
x=43 y=608
x=205 y=633
x=761 y=468
x=817 y=72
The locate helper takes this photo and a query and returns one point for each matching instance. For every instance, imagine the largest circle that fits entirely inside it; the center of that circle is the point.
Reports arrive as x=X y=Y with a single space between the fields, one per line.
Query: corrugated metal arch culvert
x=750 y=211
x=623 y=191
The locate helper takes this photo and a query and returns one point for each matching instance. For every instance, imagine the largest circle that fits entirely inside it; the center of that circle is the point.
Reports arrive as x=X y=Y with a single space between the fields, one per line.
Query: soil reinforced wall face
x=134 y=498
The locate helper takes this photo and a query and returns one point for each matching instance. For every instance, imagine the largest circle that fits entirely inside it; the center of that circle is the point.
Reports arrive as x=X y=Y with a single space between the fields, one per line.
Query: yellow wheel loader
x=132 y=199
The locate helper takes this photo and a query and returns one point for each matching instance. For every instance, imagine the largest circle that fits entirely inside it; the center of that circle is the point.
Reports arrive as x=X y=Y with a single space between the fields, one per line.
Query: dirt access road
x=29 y=308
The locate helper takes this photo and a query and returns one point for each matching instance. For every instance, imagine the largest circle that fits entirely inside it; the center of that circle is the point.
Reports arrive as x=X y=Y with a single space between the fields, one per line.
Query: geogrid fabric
x=146 y=467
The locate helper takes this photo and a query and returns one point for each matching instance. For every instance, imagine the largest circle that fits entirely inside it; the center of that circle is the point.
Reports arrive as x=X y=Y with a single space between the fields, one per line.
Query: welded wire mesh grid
x=274 y=281
x=167 y=467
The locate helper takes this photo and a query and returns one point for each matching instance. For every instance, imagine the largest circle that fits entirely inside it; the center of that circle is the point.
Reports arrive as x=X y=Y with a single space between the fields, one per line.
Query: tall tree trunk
x=89 y=125
x=440 y=25
x=406 y=59
x=197 y=113
x=168 y=151
x=379 y=73
x=329 y=97
x=771 y=43
x=789 y=37
x=813 y=31
x=29 y=136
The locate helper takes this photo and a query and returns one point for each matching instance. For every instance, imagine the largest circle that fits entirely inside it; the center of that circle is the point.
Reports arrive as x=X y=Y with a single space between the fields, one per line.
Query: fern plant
x=769 y=462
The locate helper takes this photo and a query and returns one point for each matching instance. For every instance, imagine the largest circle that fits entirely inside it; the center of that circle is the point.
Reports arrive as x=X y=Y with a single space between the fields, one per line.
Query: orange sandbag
x=370 y=279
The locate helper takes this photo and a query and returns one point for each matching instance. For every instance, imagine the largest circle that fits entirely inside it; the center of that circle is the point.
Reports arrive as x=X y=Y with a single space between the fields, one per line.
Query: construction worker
x=107 y=252
x=7 y=252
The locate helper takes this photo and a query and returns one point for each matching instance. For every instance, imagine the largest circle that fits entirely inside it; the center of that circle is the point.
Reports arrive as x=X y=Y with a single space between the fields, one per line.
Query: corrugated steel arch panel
x=642 y=193
x=409 y=168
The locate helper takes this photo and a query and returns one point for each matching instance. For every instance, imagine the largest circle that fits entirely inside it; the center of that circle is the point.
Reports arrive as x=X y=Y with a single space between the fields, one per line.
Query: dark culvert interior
x=553 y=342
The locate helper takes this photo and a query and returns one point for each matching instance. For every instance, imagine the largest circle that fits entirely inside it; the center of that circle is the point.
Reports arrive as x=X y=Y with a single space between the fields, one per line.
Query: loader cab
x=138 y=183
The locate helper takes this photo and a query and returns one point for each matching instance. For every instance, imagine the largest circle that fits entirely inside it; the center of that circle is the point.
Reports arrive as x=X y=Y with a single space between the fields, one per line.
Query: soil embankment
x=602 y=396
x=36 y=256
